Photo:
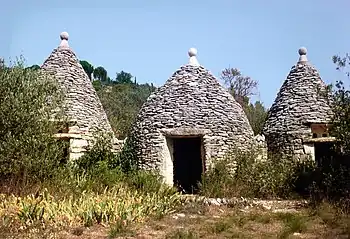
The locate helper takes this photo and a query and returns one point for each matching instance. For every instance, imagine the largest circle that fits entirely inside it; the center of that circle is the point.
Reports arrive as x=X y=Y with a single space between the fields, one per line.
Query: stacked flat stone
x=81 y=101
x=260 y=147
x=302 y=99
x=192 y=101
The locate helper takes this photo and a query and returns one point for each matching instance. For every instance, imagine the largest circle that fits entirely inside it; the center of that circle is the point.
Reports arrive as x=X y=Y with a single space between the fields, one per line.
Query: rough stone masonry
x=302 y=99
x=191 y=102
x=82 y=105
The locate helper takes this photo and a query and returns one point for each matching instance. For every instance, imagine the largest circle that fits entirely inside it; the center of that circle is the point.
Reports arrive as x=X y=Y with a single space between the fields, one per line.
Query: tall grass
x=95 y=189
x=82 y=200
x=88 y=208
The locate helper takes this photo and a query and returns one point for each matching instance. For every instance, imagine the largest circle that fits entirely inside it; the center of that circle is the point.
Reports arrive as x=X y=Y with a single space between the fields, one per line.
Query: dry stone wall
x=82 y=102
x=302 y=99
x=261 y=147
x=82 y=107
x=192 y=102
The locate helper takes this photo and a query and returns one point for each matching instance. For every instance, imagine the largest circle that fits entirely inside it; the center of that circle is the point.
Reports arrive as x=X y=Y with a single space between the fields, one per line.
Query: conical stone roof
x=191 y=102
x=81 y=101
x=302 y=100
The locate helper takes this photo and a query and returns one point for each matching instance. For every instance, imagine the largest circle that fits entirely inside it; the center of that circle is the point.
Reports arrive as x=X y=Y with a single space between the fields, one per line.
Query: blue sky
x=150 y=39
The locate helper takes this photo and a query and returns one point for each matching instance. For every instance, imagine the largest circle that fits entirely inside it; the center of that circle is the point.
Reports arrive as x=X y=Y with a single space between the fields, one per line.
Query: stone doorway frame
x=167 y=158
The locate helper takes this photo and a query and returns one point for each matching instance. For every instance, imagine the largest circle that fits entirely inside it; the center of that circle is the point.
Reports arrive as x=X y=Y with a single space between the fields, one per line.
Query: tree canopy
x=341 y=105
x=123 y=78
x=88 y=68
x=100 y=74
x=29 y=100
x=122 y=103
x=242 y=88
x=239 y=86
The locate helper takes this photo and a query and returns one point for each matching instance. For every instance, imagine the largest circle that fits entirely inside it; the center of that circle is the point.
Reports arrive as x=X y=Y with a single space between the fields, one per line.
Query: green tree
x=88 y=68
x=123 y=78
x=341 y=105
x=30 y=103
x=256 y=114
x=100 y=74
x=241 y=87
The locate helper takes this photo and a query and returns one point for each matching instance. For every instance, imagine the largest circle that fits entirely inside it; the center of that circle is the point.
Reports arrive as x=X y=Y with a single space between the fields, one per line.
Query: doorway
x=188 y=163
x=324 y=152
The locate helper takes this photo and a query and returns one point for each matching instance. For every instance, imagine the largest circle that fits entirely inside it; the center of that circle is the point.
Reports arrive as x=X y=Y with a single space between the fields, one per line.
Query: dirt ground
x=199 y=221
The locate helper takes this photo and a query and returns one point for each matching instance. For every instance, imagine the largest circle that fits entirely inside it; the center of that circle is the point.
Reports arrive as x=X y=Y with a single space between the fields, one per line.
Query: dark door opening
x=188 y=165
x=324 y=152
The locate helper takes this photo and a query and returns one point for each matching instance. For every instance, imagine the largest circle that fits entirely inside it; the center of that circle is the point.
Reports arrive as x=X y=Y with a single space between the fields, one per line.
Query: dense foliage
x=257 y=115
x=122 y=103
x=334 y=174
x=121 y=97
x=240 y=174
x=39 y=189
x=88 y=68
x=27 y=149
x=341 y=106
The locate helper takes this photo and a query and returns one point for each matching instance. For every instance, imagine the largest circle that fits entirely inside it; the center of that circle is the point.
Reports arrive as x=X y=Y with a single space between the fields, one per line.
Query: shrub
x=331 y=181
x=333 y=176
x=28 y=110
x=101 y=154
x=239 y=174
x=101 y=151
x=101 y=167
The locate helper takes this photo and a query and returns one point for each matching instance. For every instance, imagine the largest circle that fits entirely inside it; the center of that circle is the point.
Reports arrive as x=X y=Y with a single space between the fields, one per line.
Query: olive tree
x=29 y=109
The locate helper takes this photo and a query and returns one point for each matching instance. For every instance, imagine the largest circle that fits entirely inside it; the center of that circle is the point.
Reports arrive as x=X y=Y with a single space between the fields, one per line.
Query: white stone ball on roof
x=302 y=51
x=64 y=36
x=192 y=52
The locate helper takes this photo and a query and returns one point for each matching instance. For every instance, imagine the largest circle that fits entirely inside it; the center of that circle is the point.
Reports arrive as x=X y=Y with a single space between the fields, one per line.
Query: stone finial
x=192 y=52
x=64 y=40
x=302 y=53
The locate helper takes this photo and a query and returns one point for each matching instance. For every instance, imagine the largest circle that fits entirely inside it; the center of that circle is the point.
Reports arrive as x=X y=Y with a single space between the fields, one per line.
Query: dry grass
x=43 y=215
x=223 y=222
x=198 y=221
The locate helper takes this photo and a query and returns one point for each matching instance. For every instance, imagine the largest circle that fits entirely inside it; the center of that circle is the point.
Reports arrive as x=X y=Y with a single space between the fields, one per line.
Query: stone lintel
x=314 y=123
x=68 y=136
x=320 y=140
x=70 y=121
x=184 y=132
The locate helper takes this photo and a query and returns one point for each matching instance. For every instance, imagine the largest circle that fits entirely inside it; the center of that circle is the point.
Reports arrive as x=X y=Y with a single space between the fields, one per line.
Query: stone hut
x=298 y=120
x=186 y=123
x=82 y=106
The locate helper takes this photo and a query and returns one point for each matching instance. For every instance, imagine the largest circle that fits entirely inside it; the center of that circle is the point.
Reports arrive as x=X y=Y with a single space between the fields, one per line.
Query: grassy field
x=195 y=220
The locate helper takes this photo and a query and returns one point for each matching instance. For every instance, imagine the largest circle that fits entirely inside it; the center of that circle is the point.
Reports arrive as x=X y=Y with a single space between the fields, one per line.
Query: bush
x=28 y=150
x=332 y=178
x=331 y=181
x=239 y=174
x=101 y=151
x=105 y=168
